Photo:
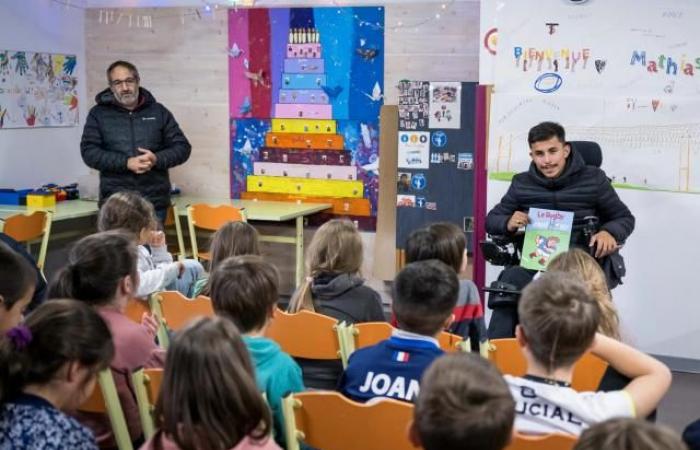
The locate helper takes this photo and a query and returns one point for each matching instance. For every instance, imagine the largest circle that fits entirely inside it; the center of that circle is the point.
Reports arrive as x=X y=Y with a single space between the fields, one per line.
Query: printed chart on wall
x=435 y=155
x=632 y=84
x=37 y=90
x=305 y=90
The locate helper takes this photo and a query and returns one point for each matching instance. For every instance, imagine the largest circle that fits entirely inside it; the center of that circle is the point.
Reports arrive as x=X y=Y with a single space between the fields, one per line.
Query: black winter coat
x=112 y=135
x=584 y=190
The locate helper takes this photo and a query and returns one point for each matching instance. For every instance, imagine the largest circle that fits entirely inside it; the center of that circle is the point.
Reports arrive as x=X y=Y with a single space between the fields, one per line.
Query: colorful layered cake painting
x=305 y=89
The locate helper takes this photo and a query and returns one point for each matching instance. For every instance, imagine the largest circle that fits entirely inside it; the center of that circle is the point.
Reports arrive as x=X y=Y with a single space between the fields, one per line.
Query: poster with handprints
x=37 y=90
x=445 y=105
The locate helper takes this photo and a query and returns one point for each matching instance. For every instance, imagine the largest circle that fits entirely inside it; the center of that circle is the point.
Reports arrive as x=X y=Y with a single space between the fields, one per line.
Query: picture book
x=547 y=234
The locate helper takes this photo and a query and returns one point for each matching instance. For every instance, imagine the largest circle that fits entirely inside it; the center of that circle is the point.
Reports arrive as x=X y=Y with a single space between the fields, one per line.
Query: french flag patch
x=401 y=356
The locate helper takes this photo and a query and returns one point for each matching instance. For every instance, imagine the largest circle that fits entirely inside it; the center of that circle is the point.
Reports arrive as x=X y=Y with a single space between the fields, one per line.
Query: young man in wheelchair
x=560 y=177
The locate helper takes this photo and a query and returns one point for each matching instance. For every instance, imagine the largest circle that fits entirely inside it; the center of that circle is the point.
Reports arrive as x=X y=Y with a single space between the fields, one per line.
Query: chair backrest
x=330 y=421
x=135 y=308
x=105 y=400
x=147 y=387
x=371 y=333
x=590 y=152
x=508 y=358
x=175 y=311
x=211 y=218
x=26 y=228
x=306 y=334
x=542 y=442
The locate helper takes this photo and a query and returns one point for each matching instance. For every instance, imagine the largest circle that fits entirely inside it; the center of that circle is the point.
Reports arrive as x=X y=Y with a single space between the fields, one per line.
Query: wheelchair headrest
x=590 y=152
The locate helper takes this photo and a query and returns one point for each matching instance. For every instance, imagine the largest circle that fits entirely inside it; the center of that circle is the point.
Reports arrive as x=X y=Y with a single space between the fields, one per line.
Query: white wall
x=31 y=157
x=659 y=302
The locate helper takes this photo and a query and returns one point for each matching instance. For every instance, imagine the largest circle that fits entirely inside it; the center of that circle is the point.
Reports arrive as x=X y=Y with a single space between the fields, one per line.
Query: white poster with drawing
x=37 y=90
x=414 y=149
x=445 y=104
x=598 y=47
x=488 y=40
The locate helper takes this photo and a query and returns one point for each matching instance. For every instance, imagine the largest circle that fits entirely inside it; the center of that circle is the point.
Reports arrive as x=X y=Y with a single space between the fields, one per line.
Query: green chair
x=147 y=386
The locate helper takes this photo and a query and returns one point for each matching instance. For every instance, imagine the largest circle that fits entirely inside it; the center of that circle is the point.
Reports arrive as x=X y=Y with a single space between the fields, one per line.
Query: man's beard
x=127 y=99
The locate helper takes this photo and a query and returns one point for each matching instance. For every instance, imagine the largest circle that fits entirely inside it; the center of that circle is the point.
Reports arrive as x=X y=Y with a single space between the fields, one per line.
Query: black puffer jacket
x=583 y=189
x=112 y=135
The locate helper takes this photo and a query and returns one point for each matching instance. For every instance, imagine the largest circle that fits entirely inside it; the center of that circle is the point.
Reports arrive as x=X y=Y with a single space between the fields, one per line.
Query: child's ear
x=128 y=285
x=413 y=436
x=465 y=263
x=73 y=371
x=2 y=301
x=449 y=321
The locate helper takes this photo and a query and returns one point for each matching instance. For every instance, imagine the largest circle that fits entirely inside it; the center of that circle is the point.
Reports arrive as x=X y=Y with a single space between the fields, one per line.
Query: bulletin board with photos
x=435 y=176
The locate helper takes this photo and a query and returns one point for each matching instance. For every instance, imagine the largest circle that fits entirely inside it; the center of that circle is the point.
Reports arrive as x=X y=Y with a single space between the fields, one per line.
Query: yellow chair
x=542 y=442
x=507 y=356
x=147 y=387
x=175 y=311
x=370 y=333
x=307 y=334
x=27 y=228
x=172 y=218
x=105 y=400
x=210 y=218
x=330 y=421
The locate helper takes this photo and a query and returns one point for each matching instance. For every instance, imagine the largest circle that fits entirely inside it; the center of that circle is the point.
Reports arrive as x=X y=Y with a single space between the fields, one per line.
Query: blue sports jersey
x=393 y=368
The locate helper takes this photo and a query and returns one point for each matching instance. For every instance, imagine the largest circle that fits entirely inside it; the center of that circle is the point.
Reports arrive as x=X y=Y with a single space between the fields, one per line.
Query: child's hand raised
x=157 y=239
x=151 y=323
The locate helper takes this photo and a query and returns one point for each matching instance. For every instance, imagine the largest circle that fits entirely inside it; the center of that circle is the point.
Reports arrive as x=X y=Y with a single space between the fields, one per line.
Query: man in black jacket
x=132 y=139
x=559 y=179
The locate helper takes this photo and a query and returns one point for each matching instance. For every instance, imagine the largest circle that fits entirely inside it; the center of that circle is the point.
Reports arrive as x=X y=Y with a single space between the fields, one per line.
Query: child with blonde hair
x=101 y=271
x=208 y=398
x=580 y=262
x=130 y=212
x=333 y=287
x=232 y=239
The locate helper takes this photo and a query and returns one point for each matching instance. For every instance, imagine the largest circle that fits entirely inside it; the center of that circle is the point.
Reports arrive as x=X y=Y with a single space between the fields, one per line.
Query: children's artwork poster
x=413 y=104
x=414 y=150
x=37 y=90
x=574 y=48
x=445 y=105
x=406 y=201
x=547 y=234
x=633 y=88
x=305 y=88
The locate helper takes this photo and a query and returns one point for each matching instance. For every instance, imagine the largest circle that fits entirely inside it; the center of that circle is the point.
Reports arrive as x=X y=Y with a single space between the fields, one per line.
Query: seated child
x=446 y=242
x=425 y=293
x=39 y=291
x=558 y=323
x=101 y=271
x=50 y=365
x=629 y=434
x=232 y=239
x=464 y=403
x=335 y=288
x=209 y=376
x=17 y=282
x=244 y=289
x=130 y=212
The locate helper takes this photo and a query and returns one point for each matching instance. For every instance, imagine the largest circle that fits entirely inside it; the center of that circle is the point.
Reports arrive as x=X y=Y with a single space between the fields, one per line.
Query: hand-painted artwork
x=413 y=105
x=37 y=90
x=305 y=90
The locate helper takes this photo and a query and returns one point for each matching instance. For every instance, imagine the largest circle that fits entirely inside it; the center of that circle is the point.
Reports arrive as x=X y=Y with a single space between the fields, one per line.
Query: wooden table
x=268 y=211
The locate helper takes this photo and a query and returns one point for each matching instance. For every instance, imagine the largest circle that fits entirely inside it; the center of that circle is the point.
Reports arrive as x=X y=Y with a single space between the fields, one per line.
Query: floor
x=682 y=402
